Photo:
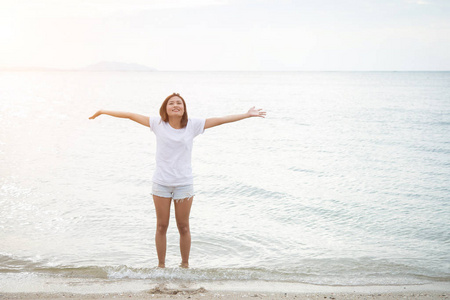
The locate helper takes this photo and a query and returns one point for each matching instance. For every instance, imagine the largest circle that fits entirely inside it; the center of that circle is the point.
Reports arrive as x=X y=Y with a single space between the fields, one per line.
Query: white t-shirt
x=174 y=151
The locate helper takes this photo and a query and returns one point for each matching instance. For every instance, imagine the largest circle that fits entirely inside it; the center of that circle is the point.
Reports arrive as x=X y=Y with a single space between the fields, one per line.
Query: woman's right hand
x=98 y=113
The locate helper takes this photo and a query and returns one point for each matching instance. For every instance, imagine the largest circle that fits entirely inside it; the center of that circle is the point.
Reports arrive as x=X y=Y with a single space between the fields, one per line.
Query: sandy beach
x=255 y=290
x=204 y=294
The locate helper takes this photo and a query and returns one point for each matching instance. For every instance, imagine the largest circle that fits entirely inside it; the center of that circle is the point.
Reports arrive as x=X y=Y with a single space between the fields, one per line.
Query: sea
x=346 y=182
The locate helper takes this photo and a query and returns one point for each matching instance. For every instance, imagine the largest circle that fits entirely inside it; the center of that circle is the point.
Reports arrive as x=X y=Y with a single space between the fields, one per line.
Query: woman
x=173 y=175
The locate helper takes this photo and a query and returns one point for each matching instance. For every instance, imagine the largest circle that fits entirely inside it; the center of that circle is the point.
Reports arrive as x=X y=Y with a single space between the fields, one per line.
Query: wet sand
x=203 y=294
x=164 y=292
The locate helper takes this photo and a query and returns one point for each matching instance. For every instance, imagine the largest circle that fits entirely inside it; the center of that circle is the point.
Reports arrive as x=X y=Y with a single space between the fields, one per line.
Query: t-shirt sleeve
x=154 y=122
x=197 y=126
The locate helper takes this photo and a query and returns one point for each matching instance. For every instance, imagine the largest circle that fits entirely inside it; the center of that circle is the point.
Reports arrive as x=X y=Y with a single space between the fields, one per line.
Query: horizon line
x=45 y=69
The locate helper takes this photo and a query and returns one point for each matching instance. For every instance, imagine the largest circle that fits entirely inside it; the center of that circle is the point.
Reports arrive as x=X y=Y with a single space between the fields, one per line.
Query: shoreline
x=225 y=290
x=204 y=294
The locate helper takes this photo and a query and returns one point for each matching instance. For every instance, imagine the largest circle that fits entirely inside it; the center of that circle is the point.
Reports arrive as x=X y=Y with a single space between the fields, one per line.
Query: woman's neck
x=175 y=123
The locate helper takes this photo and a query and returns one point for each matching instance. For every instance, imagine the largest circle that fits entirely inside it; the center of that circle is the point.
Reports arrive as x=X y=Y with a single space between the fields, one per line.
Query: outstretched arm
x=144 y=120
x=252 y=112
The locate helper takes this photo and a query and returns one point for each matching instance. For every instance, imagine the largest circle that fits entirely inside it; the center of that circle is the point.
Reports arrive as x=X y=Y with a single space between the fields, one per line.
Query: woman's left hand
x=254 y=112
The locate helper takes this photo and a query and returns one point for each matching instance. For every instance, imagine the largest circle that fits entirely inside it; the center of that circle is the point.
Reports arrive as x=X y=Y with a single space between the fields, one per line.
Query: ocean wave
x=339 y=272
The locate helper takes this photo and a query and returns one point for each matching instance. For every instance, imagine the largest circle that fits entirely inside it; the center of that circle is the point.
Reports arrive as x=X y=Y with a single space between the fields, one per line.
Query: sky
x=228 y=35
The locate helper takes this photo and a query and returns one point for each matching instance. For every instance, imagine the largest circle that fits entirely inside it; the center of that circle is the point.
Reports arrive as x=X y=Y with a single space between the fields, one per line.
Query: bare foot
x=162 y=266
x=184 y=265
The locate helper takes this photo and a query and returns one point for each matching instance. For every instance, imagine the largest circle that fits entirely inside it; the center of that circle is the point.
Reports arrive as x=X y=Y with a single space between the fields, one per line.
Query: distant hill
x=117 y=66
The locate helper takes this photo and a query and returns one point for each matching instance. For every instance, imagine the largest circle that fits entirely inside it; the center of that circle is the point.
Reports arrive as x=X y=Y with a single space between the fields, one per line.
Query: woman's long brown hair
x=163 y=110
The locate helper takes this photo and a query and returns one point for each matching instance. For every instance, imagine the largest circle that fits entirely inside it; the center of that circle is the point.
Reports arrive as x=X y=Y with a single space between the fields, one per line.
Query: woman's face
x=175 y=107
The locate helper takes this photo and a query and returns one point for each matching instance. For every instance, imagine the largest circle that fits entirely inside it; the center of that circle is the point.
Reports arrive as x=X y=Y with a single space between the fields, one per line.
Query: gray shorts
x=173 y=192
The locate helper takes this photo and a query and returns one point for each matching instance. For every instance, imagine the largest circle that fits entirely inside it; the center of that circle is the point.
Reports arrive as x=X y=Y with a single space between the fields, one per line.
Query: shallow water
x=346 y=182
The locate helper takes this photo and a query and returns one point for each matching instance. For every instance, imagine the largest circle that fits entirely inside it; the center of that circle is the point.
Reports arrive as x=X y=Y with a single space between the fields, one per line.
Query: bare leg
x=182 y=212
x=162 y=207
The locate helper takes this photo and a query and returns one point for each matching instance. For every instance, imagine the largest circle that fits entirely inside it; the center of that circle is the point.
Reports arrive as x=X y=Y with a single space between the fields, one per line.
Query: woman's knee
x=183 y=228
x=162 y=228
